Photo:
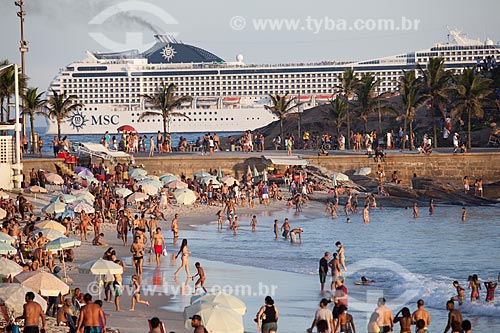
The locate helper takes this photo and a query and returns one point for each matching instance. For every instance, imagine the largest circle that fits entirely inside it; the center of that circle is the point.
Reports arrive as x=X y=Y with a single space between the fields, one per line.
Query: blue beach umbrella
x=137 y=172
x=66 y=198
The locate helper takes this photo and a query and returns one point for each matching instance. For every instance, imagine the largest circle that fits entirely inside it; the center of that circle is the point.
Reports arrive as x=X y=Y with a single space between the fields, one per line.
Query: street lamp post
x=23 y=48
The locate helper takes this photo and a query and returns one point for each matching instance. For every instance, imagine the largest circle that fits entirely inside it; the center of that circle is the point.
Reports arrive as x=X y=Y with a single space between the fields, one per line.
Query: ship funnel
x=166 y=39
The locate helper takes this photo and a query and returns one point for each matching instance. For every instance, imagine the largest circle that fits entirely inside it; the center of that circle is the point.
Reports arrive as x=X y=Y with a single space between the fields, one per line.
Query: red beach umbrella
x=126 y=128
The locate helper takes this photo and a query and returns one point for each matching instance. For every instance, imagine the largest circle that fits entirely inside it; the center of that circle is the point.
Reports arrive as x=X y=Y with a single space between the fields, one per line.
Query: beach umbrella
x=100 y=267
x=185 y=196
x=126 y=128
x=46 y=284
x=219 y=172
x=215 y=317
x=82 y=190
x=51 y=234
x=13 y=296
x=91 y=180
x=228 y=180
x=137 y=197
x=4 y=196
x=229 y=301
x=86 y=174
x=176 y=184
x=54 y=178
x=4 y=238
x=3 y=213
x=79 y=169
x=35 y=189
x=66 y=198
x=150 y=188
x=206 y=181
x=6 y=249
x=168 y=178
x=66 y=213
x=123 y=192
x=154 y=177
x=158 y=184
x=137 y=172
x=201 y=174
x=83 y=207
x=54 y=207
x=85 y=196
x=50 y=225
x=139 y=178
x=9 y=268
x=60 y=244
x=255 y=173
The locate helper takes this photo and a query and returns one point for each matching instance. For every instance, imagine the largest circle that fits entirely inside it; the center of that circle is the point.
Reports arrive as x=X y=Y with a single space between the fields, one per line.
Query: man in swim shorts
x=32 y=312
x=158 y=244
x=90 y=314
x=323 y=270
x=294 y=233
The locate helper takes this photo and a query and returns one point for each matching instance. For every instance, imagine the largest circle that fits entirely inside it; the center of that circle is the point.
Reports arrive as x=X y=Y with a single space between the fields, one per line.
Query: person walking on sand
x=267 y=317
x=136 y=295
x=185 y=258
x=201 y=279
x=174 y=227
x=323 y=313
x=341 y=253
x=32 y=313
x=158 y=243
x=138 y=249
x=90 y=315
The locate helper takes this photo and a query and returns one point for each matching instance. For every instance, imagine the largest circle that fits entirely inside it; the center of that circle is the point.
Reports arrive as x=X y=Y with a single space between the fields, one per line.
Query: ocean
x=408 y=258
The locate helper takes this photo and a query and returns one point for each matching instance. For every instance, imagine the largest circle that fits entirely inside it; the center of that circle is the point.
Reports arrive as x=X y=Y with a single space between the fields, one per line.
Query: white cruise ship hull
x=197 y=121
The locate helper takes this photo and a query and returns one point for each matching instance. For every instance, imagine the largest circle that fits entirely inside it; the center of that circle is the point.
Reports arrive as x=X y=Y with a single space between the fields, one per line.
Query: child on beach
x=253 y=223
x=136 y=296
x=201 y=279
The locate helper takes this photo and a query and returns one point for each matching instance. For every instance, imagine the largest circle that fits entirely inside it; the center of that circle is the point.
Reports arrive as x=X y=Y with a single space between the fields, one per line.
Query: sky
x=61 y=31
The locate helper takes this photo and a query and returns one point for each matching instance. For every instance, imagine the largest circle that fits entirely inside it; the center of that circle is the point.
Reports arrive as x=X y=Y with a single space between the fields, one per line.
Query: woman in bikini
x=136 y=295
x=341 y=253
x=185 y=258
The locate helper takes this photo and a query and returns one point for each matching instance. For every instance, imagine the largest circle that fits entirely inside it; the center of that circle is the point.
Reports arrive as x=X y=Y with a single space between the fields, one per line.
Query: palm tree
x=33 y=103
x=411 y=90
x=349 y=85
x=281 y=106
x=472 y=91
x=60 y=106
x=7 y=86
x=436 y=83
x=165 y=101
x=337 y=110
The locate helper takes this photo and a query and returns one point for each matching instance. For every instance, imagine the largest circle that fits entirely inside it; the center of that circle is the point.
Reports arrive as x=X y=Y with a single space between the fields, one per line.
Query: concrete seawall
x=437 y=166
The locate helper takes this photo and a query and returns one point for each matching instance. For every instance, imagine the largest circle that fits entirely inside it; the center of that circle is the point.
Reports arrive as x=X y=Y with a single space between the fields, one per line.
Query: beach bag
x=165 y=253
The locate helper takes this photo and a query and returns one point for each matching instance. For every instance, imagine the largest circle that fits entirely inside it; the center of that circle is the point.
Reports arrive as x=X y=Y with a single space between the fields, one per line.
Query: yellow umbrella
x=51 y=225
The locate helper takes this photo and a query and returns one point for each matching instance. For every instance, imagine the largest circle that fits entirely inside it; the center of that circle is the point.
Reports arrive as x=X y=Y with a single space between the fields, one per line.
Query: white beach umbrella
x=46 y=284
x=50 y=225
x=201 y=174
x=6 y=249
x=137 y=197
x=206 y=181
x=151 y=181
x=4 y=196
x=137 y=172
x=150 y=189
x=54 y=178
x=85 y=196
x=165 y=179
x=66 y=198
x=35 y=189
x=175 y=184
x=13 y=296
x=185 y=196
x=51 y=234
x=85 y=173
x=123 y=192
x=228 y=180
x=60 y=244
x=215 y=317
x=100 y=267
x=9 y=268
x=54 y=207
x=229 y=301
x=5 y=238
x=83 y=207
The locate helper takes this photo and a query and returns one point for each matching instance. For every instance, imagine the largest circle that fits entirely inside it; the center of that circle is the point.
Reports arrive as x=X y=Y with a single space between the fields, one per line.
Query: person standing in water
x=431 y=207
x=323 y=270
x=185 y=258
x=454 y=318
x=276 y=229
x=475 y=286
x=415 y=210
x=366 y=214
x=464 y=214
x=341 y=253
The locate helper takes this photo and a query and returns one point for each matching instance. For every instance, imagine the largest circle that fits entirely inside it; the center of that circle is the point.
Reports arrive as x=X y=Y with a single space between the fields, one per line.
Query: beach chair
x=162 y=326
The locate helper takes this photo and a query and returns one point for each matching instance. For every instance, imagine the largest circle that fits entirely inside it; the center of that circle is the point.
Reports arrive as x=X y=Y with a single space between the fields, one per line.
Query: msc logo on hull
x=78 y=120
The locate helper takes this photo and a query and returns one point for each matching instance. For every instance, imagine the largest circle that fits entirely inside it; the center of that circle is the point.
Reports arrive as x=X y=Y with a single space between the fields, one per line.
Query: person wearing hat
x=294 y=233
x=196 y=323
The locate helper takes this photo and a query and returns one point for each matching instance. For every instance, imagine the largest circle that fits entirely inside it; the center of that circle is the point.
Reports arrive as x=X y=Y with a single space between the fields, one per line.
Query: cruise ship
x=226 y=96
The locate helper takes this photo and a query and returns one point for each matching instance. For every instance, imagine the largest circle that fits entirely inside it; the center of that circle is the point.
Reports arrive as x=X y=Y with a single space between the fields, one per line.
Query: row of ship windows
x=184 y=119
x=331 y=76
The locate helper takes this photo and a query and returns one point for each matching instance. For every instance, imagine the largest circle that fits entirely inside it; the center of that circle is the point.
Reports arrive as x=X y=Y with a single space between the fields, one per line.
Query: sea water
x=408 y=258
